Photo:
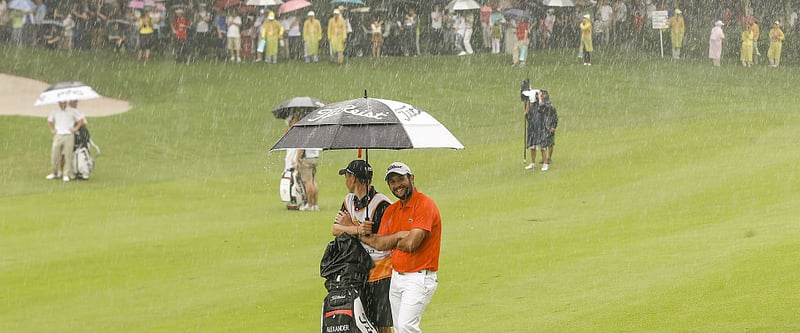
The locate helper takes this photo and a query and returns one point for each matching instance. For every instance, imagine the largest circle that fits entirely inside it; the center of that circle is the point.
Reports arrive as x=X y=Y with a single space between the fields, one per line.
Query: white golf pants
x=409 y=294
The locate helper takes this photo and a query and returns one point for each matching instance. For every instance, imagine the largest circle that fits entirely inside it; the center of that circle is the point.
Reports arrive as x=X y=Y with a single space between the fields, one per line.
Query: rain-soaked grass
x=671 y=205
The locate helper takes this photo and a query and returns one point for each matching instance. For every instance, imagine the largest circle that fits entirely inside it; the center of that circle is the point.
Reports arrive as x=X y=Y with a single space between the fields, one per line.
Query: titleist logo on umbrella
x=350 y=109
x=407 y=112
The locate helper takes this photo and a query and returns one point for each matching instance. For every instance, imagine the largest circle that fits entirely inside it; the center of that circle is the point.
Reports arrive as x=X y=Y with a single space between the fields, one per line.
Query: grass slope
x=671 y=205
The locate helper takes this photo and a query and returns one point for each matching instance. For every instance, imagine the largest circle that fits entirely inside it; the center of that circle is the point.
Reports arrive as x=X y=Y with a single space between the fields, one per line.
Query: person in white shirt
x=63 y=123
x=437 y=34
x=606 y=15
x=202 y=30
x=620 y=20
x=234 y=36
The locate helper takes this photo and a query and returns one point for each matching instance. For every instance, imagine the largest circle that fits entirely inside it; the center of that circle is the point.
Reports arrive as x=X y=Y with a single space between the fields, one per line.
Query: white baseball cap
x=399 y=168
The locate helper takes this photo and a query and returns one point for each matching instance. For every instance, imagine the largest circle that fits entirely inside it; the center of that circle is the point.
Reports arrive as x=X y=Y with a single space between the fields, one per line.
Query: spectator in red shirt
x=521 y=49
x=180 y=26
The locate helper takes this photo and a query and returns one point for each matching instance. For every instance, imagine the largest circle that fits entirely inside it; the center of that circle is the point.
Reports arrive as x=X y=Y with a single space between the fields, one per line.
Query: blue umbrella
x=517 y=13
x=23 y=5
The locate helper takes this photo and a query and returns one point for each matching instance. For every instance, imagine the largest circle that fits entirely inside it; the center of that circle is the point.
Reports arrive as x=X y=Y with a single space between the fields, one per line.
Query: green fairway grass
x=671 y=204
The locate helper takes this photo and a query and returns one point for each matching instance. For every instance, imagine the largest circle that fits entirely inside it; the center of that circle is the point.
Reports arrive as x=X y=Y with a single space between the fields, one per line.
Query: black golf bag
x=345 y=267
x=82 y=161
x=292 y=189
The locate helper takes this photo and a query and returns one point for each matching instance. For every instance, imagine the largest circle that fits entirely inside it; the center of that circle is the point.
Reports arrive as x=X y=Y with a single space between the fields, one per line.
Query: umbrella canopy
x=140 y=4
x=66 y=91
x=462 y=5
x=304 y=105
x=52 y=22
x=292 y=5
x=559 y=3
x=224 y=4
x=23 y=5
x=264 y=2
x=119 y=21
x=514 y=12
x=368 y=123
x=348 y=2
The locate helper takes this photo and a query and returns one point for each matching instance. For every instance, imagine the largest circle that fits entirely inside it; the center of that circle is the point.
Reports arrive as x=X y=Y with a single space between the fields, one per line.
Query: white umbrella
x=66 y=91
x=264 y=2
x=559 y=3
x=23 y=5
x=462 y=5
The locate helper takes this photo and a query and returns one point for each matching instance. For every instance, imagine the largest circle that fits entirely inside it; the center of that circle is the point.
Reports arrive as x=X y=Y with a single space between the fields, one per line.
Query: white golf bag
x=292 y=189
x=82 y=161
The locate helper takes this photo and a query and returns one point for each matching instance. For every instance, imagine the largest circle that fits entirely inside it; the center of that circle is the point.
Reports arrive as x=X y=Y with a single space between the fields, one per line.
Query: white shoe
x=530 y=166
x=315 y=208
x=545 y=167
x=238 y=59
x=51 y=176
x=233 y=58
x=304 y=207
x=66 y=178
x=462 y=53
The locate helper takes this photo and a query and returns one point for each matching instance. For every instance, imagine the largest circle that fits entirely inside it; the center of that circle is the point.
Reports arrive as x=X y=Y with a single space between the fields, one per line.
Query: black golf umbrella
x=303 y=104
x=367 y=123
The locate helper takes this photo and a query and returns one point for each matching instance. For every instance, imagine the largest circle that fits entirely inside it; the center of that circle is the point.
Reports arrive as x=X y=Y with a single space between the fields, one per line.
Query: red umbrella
x=292 y=5
x=223 y=4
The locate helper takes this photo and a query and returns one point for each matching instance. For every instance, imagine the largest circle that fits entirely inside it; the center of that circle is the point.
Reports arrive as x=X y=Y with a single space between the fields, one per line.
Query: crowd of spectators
x=196 y=30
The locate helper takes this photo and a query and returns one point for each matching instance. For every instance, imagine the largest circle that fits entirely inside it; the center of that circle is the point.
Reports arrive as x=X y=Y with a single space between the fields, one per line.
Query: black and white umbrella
x=66 y=91
x=369 y=123
x=304 y=105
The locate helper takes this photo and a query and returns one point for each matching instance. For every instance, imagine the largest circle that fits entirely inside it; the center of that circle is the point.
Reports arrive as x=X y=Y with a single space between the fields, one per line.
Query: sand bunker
x=18 y=94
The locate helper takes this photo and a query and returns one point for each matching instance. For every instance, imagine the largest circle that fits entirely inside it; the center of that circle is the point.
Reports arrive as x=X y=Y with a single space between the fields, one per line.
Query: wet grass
x=670 y=207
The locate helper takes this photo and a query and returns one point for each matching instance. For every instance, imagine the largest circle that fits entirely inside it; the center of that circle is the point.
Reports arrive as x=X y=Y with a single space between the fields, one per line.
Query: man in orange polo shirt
x=412 y=227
